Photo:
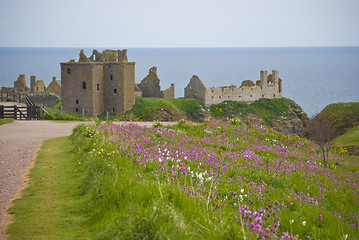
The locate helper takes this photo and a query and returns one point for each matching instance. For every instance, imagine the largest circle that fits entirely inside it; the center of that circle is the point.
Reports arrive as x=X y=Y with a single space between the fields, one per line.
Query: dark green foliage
x=267 y=109
x=343 y=116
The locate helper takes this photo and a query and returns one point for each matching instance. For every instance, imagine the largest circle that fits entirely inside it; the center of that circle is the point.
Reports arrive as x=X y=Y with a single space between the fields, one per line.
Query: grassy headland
x=152 y=109
x=343 y=116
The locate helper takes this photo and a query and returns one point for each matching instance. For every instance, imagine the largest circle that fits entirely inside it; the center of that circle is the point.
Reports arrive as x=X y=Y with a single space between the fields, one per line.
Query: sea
x=312 y=76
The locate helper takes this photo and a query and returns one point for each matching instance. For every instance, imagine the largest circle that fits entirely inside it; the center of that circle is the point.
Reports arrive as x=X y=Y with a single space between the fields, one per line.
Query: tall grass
x=217 y=180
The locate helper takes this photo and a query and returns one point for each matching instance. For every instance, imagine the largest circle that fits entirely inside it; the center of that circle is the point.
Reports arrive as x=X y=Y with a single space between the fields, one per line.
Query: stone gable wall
x=169 y=92
x=54 y=87
x=195 y=89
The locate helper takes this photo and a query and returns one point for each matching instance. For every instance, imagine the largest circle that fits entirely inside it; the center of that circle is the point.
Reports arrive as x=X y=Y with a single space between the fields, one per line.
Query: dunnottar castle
x=105 y=82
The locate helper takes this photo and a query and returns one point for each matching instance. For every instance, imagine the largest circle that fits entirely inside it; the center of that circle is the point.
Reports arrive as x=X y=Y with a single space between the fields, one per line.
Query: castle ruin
x=150 y=86
x=20 y=86
x=269 y=86
x=103 y=82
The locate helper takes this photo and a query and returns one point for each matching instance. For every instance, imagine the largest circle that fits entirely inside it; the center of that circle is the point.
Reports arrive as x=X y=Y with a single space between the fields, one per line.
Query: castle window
x=98 y=86
x=77 y=101
x=239 y=96
x=83 y=85
x=229 y=97
x=262 y=95
x=111 y=77
x=115 y=91
x=219 y=97
x=251 y=95
x=77 y=110
x=212 y=96
x=212 y=90
x=274 y=95
x=222 y=89
x=37 y=89
x=68 y=71
x=113 y=110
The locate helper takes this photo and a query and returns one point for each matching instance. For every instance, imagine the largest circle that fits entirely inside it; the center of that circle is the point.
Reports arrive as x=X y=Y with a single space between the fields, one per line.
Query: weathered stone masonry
x=267 y=87
x=103 y=82
x=150 y=86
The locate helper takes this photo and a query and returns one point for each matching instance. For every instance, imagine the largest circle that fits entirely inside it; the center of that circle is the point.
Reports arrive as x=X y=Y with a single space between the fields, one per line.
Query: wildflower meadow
x=213 y=180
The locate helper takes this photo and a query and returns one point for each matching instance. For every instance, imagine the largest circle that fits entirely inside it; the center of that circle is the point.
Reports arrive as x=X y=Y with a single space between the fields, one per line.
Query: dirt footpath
x=19 y=142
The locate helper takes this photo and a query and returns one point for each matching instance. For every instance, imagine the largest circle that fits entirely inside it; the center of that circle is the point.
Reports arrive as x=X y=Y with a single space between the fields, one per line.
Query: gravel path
x=19 y=143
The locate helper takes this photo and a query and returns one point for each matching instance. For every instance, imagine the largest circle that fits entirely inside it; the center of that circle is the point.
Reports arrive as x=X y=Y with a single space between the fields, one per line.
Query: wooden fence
x=20 y=113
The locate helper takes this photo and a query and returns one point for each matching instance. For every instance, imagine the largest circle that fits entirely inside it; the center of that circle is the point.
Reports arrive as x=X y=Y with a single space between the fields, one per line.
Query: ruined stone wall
x=138 y=92
x=54 y=87
x=267 y=87
x=150 y=85
x=40 y=86
x=32 y=83
x=20 y=84
x=46 y=99
x=169 y=92
x=217 y=95
x=195 y=89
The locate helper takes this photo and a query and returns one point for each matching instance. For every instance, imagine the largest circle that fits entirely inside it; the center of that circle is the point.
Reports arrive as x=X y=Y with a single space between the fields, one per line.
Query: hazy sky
x=181 y=23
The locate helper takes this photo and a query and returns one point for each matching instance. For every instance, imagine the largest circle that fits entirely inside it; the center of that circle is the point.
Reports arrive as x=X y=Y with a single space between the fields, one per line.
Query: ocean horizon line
x=214 y=47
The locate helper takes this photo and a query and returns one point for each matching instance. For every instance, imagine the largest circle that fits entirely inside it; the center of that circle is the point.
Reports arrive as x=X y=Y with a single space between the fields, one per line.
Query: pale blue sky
x=181 y=23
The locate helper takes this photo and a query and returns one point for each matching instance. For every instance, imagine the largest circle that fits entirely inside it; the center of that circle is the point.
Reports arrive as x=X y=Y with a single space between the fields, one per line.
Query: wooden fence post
x=15 y=112
x=1 y=111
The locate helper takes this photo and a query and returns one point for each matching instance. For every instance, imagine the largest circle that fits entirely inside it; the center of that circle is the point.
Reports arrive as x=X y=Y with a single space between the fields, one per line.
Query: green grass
x=350 y=138
x=5 y=121
x=49 y=205
x=54 y=113
x=342 y=115
x=267 y=109
x=151 y=109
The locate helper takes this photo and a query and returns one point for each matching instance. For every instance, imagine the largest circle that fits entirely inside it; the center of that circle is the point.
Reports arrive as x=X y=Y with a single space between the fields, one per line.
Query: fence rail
x=20 y=113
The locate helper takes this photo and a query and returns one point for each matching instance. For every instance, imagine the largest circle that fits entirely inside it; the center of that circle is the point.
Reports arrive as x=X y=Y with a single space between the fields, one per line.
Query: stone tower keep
x=103 y=82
